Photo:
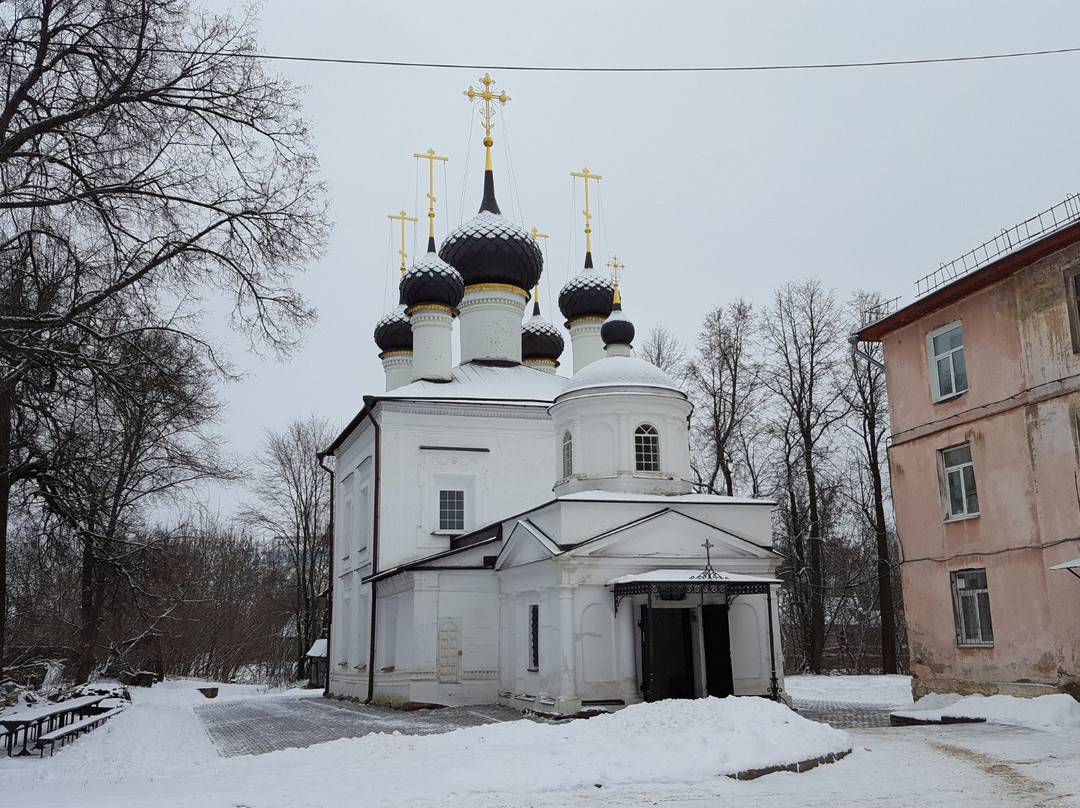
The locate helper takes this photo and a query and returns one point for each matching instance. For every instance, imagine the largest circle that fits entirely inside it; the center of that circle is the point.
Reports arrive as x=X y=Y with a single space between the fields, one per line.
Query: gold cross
x=431 y=157
x=403 y=219
x=487 y=95
x=585 y=175
x=616 y=269
x=537 y=234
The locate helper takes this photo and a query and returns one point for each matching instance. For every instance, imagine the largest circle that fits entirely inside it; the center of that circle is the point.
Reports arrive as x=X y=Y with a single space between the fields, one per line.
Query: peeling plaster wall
x=1020 y=416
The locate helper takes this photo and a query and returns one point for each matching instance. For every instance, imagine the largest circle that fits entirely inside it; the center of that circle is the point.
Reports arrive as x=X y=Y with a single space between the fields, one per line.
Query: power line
x=552 y=69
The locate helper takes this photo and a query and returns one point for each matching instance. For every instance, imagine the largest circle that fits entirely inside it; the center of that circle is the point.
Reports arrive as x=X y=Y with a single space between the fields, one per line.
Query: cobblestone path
x=257 y=726
x=844 y=714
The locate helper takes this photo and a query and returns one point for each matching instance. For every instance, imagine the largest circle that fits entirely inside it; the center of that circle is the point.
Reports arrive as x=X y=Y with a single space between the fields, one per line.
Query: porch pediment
x=671 y=535
x=526 y=544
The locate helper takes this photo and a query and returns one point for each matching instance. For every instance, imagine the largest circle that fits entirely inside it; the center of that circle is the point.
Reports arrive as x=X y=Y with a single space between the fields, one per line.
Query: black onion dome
x=394 y=332
x=617 y=329
x=491 y=249
x=586 y=295
x=540 y=340
x=432 y=280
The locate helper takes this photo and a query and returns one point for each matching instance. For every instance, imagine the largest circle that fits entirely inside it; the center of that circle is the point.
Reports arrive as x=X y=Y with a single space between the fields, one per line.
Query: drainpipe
x=369 y=404
x=321 y=456
x=853 y=341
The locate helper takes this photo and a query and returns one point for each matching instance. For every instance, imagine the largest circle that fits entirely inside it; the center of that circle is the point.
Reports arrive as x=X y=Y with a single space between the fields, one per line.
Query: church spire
x=431 y=157
x=487 y=94
x=402 y=217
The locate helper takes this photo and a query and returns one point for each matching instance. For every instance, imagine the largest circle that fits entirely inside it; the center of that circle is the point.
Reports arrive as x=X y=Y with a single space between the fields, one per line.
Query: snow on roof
x=690 y=575
x=618 y=371
x=682 y=499
x=479 y=382
x=317 y=649
x=1065 y=565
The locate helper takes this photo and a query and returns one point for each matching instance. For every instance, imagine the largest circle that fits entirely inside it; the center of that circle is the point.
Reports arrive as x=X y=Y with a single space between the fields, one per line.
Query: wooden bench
x=71 y=730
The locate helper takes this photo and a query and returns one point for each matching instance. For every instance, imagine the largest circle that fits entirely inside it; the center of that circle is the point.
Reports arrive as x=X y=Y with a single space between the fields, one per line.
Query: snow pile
x=1058 y=712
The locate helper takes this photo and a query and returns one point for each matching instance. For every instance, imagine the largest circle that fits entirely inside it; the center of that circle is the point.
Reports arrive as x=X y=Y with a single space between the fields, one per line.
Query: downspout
x=369 y=405
x=321 y=456
x=853 y=341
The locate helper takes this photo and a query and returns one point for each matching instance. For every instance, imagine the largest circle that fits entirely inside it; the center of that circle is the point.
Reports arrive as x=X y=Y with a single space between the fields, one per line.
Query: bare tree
x=293 y=510
x=866 y=399
x=665 y=350
x=142 y=161
x=724 y=380
x=803 y=338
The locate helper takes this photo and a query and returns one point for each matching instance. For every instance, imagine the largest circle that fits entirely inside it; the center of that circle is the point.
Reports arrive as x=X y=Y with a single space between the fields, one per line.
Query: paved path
x=256 y=726
x=844 y=714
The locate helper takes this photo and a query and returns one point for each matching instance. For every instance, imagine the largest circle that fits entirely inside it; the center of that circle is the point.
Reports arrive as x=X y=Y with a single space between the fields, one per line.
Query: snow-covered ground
x=671 y=753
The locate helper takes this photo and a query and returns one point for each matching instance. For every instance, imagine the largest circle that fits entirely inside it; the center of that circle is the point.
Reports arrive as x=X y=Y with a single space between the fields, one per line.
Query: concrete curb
x=801 y=766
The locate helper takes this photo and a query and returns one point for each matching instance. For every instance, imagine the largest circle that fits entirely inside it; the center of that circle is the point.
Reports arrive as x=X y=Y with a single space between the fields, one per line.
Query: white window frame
x=962 y=474
x=567 y=455
x=463 y=497
x=646 y=449
x=932 y=363
x=974 y=626
x=1072 y=296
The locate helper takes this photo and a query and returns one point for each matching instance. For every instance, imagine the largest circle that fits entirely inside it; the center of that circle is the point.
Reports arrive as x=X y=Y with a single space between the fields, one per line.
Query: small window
x=948 y=372
x=958 y=474
x=567 y=454
x=647 y=448
x=1072 y=295
x=534 y=637
x=971 y=608
x=452 y=511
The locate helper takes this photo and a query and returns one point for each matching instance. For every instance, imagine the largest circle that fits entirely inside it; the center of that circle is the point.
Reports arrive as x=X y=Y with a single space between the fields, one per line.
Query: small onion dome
x=394 y=332
x=540 y=340
x=432 y=280
x=586 y=295
x=617 y=328
x=491 y=249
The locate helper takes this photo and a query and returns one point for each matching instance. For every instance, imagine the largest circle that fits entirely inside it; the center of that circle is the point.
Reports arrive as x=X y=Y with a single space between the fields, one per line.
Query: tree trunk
x=885 y=589
x=5 y=505
x=817 y=581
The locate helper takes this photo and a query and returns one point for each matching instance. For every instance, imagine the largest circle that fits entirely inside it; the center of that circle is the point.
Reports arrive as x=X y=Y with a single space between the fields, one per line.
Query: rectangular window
x=452 y=511
x=1072 y=295
x=958 y=474
x=971 y=608
x=534 y=637
x=948 y=371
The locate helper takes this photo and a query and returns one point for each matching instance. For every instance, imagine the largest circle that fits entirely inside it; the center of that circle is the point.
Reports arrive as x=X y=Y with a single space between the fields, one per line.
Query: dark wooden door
x=717 y=636
x=667 y=658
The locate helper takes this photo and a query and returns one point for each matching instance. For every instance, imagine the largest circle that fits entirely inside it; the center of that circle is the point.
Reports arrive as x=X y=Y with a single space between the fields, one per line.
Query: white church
x=507 y=534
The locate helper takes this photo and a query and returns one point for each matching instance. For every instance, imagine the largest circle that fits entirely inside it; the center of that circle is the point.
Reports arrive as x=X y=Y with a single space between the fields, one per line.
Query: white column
x=491 y=322
x=585 y=342
x=618 y=349
x=432 y=328
x=566 y=700
x=398 y=368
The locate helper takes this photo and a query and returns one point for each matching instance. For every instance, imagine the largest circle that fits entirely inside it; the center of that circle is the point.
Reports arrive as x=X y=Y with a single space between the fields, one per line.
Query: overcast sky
x=716 y=185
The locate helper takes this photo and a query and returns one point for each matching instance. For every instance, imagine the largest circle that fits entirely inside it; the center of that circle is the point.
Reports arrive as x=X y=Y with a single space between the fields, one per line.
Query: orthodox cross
x=431 y=157
x=616 y=271
x=708 y=572
x=401 y=216
x=585 y=175
x=487 y=94
x=536 y=234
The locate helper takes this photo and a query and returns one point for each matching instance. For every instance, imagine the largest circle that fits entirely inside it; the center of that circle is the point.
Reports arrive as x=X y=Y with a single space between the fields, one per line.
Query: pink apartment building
x=983 y=376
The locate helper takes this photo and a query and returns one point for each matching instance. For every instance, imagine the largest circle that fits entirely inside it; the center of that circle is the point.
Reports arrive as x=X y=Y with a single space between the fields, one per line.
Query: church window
x=646 y=448
x=452 y=510
x=534 y=637
x=567 y=454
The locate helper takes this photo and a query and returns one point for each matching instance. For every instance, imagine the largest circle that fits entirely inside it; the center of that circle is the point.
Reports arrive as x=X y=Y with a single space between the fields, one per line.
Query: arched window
x=567 y=454
x=646 y=448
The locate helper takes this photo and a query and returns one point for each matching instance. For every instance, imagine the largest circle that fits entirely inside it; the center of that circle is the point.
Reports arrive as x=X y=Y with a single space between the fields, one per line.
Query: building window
x=534 y=637
x=567 y=454
x=971 y=608
x=958 y=473
x=452 y=511
x=646 y=448
x=1072 y=294
x=948 y=373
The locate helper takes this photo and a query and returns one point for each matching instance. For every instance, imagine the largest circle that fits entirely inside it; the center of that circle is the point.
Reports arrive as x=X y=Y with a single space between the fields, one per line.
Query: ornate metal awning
x=678 y=588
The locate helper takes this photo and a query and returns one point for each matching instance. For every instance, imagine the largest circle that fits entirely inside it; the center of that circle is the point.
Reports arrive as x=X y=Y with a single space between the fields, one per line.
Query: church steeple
x=431 y=157
x=487 y=94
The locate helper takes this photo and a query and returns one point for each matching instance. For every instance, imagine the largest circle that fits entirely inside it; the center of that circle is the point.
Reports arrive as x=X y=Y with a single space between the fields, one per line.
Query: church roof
x=478 y=382
x=618 y=371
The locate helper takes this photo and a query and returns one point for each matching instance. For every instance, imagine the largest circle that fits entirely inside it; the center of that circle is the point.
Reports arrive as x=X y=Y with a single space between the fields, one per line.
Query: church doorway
x=685 y=652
